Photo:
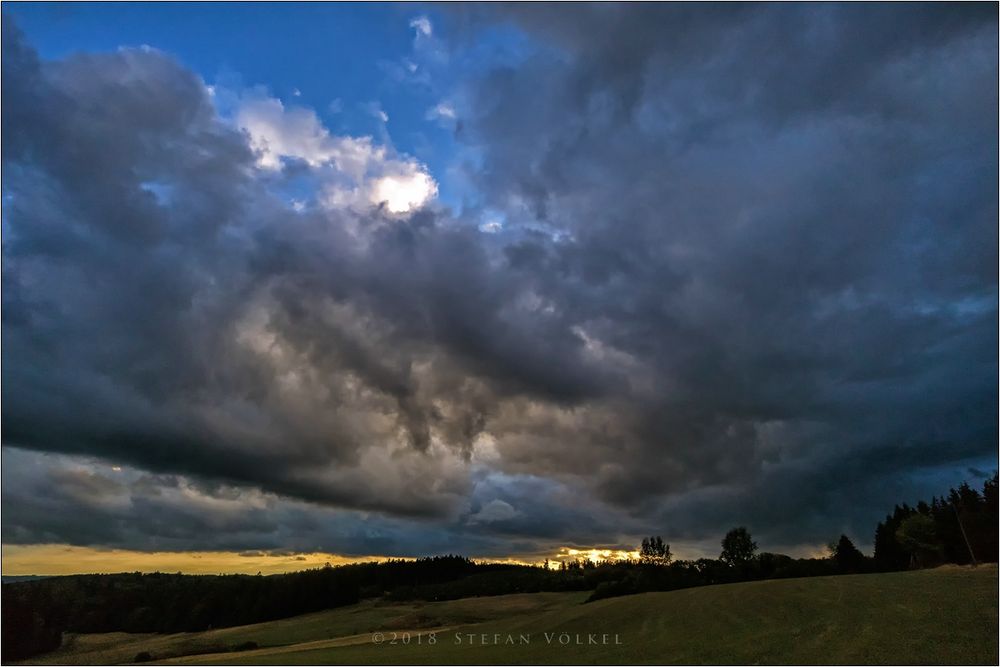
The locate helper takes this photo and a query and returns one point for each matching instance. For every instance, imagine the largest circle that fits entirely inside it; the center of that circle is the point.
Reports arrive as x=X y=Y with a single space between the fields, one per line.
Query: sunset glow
x=61 y=559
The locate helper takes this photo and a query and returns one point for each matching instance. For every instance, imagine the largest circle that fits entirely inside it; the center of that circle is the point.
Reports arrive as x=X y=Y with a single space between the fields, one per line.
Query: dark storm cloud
x=750 y=256
x=85 y=502
x=787 y=215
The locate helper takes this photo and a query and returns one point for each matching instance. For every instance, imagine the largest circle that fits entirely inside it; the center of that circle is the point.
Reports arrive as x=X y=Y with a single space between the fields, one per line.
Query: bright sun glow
x=402 y=194
x=567 y=554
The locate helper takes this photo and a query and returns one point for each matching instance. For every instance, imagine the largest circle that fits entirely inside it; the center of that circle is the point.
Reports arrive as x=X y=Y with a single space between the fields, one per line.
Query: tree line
x=36 y=613
x=959 y=527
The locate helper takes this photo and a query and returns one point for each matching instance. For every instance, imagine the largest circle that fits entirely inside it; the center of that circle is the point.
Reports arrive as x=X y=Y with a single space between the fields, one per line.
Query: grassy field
x=945 y=616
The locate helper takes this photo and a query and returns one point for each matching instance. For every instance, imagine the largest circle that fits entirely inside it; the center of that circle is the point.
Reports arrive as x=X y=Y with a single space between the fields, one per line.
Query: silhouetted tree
x=737 y=547
x=847 y=556
x=654 y=551
x=988 y=538
x=916 y=535
x=963 y=525
x=889 y=555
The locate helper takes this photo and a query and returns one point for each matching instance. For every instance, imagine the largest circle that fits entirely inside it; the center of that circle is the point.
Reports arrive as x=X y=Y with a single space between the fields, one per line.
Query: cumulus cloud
x=747 y=256
x=442 y=110
x=493 y=511
x=355 y=171
x=277 y=132
x=422 y=25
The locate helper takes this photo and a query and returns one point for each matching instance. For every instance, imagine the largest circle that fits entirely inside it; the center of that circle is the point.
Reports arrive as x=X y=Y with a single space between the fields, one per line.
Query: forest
x=959 y=527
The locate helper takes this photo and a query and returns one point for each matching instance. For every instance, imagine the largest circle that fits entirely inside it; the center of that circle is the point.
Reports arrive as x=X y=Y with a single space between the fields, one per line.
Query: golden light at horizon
x=54 y=559
x=596 y=555
x=59 y=559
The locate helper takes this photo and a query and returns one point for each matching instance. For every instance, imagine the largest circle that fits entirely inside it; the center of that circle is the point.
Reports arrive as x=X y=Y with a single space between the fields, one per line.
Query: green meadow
x=946 y=615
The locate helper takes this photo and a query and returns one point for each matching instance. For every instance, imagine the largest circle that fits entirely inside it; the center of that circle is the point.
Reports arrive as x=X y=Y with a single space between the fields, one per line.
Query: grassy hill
x=948 y=616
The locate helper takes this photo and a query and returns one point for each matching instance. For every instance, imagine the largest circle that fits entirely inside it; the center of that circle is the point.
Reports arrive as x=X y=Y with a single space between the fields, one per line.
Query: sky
x=303 y=283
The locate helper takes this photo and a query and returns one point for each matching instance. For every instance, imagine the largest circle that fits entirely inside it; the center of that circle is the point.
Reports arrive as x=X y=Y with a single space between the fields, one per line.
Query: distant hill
x=13 y=579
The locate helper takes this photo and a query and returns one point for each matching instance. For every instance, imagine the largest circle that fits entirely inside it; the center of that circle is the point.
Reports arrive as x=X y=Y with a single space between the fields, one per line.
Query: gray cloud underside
x=748 y=274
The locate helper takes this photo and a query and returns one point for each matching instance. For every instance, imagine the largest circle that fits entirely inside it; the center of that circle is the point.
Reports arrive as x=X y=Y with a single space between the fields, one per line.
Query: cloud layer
x=746 y=274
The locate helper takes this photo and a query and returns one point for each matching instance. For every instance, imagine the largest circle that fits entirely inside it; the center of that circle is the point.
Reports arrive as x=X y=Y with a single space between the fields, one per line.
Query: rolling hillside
x=947 y=615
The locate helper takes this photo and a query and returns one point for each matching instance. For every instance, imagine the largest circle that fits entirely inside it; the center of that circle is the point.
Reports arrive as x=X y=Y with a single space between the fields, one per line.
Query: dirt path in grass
x=350 y=640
